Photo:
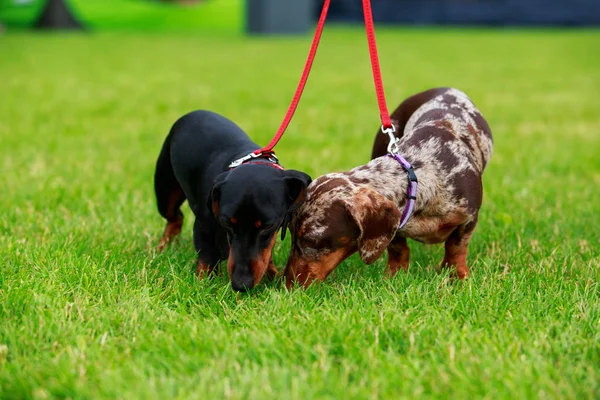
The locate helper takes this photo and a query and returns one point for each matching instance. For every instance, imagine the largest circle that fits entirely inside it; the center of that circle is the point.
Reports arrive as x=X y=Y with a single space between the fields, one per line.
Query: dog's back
x=450 y=123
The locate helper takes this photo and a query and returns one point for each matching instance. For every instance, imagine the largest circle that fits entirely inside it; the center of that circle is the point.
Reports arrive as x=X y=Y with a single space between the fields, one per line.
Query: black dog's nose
x=242 y=283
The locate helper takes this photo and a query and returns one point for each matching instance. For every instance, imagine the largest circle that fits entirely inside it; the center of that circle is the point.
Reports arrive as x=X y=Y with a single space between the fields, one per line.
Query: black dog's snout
x=242 y=282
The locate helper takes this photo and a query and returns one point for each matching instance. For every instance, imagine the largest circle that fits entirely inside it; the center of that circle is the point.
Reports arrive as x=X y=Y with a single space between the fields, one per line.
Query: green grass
x=89 y=310
x=222 y=16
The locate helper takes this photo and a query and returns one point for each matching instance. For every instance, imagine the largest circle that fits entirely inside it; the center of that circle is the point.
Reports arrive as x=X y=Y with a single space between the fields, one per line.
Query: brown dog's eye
x=305 y=241
x=344 y=240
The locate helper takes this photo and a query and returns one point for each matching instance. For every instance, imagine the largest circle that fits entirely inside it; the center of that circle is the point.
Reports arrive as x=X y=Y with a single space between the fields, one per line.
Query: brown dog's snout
x=306 y=269
x=296 y=271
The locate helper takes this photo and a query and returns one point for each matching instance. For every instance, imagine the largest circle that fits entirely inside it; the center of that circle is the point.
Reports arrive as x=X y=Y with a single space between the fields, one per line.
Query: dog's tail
x=169 y=194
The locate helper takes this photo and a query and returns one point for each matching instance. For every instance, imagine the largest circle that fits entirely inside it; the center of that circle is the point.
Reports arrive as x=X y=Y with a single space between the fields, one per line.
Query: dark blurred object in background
x=470 y=12
x=278 y=16
x=57 y=15
x=182 y=2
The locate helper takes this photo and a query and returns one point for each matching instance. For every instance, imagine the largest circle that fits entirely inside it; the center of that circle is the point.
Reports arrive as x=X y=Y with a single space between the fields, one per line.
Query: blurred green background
x=222 y=16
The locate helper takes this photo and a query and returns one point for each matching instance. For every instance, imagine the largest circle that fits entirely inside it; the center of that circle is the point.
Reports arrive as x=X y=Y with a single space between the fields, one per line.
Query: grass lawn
x=89 y=310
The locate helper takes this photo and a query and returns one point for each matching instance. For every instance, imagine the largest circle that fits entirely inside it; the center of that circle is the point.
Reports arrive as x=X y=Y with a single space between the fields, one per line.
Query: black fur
x=193 y=165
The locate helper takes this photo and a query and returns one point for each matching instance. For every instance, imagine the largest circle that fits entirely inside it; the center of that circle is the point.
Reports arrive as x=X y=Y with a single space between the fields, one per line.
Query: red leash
x=311 y=57
x=386 y=123
x=386 y=127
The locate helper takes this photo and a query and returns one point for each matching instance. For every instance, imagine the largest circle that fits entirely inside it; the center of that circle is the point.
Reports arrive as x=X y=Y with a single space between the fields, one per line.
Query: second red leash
x=386 y=123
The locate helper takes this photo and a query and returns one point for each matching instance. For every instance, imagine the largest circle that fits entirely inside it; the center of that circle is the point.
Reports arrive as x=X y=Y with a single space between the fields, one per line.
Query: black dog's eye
x=267 y=230
x=268 y=225
x=227 y=223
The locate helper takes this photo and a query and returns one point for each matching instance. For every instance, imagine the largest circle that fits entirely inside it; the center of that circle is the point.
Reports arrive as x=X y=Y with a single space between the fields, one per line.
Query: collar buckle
x=411 y=174
x=269 y=155
x=242 y=160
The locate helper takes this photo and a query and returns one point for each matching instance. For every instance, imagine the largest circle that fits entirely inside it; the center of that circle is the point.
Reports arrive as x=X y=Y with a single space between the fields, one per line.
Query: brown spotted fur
x=449 y=143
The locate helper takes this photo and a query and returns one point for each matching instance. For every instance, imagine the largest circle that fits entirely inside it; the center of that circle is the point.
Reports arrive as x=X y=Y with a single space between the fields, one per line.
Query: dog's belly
x=431 y=230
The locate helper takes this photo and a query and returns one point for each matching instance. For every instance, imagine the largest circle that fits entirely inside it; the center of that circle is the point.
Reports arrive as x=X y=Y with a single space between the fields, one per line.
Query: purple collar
x=412 y=188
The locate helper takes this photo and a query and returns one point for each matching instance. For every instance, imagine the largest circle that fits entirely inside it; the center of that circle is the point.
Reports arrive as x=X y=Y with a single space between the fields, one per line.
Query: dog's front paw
x=204 y=270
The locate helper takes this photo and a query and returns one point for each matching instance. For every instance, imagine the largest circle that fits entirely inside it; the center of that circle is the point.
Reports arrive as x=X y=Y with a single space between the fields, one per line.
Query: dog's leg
x=174 y=222
x=398 y=254
x=457 y=246
x=207 y=241
x=204 y=268
x=272 y=270
x=169 y=196
x=206 y=265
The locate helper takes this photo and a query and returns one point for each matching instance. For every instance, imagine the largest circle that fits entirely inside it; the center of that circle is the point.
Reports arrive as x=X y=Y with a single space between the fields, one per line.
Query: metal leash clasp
x=242 y=160
x=393 y=145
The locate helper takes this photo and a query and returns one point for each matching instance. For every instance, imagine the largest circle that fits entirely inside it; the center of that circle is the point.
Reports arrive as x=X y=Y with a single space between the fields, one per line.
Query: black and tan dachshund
x=238 y=210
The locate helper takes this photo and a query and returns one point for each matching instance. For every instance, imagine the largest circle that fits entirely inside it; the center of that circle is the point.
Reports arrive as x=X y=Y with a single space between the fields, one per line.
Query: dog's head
x=251 y=203
x=336 y=220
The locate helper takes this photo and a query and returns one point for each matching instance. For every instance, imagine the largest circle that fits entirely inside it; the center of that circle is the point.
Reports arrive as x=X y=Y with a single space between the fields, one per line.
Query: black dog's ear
x=215 y=193
x=296 y=183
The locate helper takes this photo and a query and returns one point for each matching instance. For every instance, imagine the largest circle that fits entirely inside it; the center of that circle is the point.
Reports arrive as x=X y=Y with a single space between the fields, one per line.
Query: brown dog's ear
x=296 y=183
x=215 y=193
x=377 y=219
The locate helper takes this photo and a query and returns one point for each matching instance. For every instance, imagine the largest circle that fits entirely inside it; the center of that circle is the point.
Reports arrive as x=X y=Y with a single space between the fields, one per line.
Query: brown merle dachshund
x=448 y=142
